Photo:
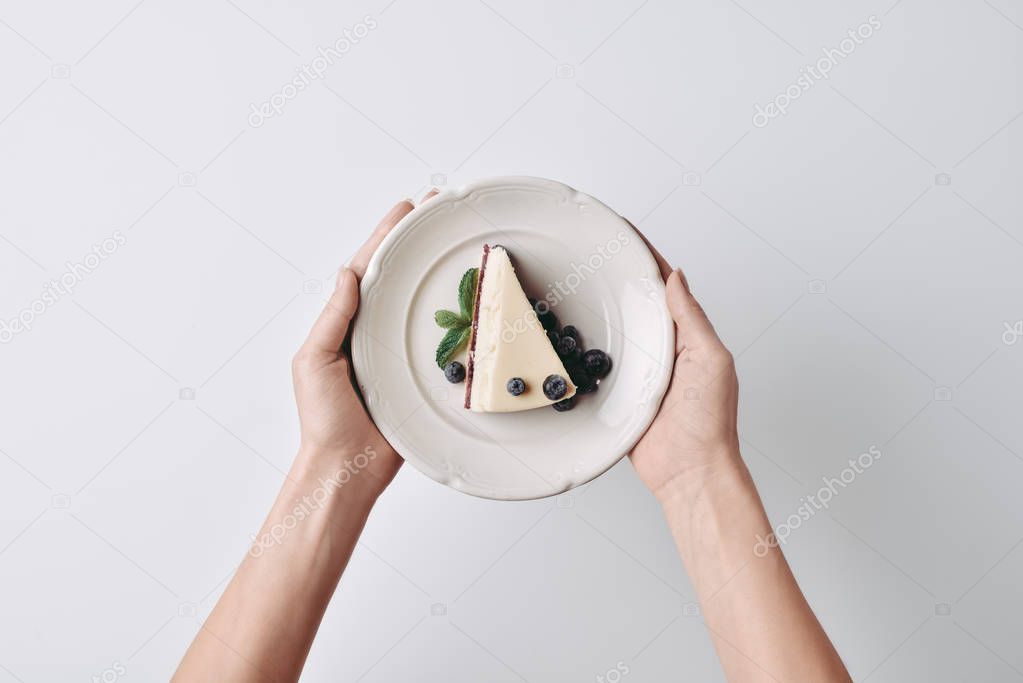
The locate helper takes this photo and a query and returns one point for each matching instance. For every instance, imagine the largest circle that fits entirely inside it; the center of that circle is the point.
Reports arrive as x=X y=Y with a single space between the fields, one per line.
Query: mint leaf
x=450 y=320
x=467 y=292
x=452 y=342
x=459 y=327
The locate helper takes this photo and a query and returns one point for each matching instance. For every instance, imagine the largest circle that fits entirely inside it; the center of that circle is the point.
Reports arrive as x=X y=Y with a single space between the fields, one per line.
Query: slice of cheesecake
x=508 y=342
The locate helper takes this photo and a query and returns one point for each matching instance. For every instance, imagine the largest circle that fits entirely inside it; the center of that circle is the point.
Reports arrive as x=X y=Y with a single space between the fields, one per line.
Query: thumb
x=694 y=329
x=330 y=328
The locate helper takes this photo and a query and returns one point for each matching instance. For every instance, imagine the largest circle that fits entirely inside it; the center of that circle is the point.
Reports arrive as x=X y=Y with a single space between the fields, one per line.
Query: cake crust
x=470 y=356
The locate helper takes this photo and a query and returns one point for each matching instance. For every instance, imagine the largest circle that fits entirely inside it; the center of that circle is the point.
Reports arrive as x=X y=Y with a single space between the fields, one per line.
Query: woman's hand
x=265 y=622
x=760 y=623
x=695 y=429
x=335 y=425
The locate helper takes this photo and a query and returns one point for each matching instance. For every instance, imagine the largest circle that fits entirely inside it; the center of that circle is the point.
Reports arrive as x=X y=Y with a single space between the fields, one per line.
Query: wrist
x=716 y=512
x=717 y=465
x=318 y=507
x=345 y=475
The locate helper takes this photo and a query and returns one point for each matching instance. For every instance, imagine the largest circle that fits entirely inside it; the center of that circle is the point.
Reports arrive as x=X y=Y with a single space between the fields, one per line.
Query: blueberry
x=584 y=384
x=597 y=363
x=554 y=387
x=571 y=331
x=576 y=371
x=554 y=337
x=545 y=315
x=567 y=346
x=563 y=405
x=454 y=372
x=587 y=386
x=515 y=386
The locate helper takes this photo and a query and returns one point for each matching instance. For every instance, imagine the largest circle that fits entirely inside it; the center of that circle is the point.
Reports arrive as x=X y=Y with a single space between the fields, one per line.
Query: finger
x=694 y=328
x=330 y=328
x=429 y=195
x=662 y=263
x=361 y=259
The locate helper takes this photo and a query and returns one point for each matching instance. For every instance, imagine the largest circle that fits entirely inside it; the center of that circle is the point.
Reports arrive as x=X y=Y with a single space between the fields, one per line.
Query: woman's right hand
x=695 y=430
x=759 y=620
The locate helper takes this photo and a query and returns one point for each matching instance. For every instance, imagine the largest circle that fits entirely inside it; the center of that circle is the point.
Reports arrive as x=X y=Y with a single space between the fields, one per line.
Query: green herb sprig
x=458 y=325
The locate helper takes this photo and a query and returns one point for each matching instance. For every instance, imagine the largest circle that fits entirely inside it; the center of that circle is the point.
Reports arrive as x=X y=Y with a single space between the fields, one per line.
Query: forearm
x=264 y=624
x=760 y=622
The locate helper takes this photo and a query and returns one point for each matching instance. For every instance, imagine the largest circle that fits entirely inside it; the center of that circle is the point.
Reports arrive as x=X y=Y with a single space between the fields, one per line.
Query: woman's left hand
x=335 y=424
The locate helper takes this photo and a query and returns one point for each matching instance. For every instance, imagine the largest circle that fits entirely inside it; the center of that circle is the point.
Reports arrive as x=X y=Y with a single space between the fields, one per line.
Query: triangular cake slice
x=507 y=341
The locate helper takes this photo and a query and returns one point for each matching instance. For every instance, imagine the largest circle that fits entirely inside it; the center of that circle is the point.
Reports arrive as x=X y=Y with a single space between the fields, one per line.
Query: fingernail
x=682 y=277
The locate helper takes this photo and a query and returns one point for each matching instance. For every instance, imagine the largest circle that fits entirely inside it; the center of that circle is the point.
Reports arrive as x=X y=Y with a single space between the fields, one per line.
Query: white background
x=124 y=508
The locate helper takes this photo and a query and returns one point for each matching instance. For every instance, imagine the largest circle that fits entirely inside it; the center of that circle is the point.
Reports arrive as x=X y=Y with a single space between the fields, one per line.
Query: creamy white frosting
x=509 y=342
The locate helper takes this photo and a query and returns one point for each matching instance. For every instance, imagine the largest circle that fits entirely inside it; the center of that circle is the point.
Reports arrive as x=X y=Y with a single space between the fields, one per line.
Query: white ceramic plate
x=604 y=281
